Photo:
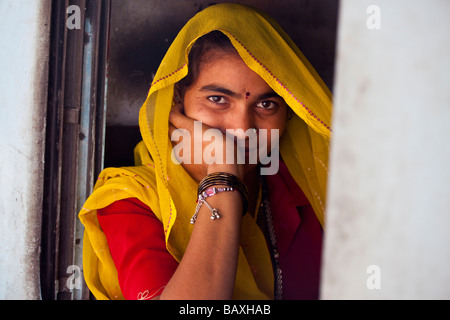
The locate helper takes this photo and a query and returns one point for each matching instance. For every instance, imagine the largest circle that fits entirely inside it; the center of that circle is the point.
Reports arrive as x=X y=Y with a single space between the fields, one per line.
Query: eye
x=267 y=105
x=217 y=99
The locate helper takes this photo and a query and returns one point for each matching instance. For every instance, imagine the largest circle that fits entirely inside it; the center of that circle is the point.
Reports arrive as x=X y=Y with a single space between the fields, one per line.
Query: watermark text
x=373 y=21
x=374 y=279
x=74 y=18
x=240 y=147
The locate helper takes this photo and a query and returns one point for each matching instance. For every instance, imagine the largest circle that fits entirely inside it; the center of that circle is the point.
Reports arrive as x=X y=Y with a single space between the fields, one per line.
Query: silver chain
x=265 y=204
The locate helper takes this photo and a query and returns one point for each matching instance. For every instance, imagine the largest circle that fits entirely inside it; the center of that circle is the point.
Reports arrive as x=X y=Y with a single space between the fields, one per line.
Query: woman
x=150 y=234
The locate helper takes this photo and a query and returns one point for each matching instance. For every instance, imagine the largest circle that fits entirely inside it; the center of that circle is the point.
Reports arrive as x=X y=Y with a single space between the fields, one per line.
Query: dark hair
x=214 y=40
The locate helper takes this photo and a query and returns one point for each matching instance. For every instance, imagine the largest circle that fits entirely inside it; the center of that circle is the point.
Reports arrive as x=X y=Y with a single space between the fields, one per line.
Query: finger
x=178 y=108
x=178 y=119
x=172 y=128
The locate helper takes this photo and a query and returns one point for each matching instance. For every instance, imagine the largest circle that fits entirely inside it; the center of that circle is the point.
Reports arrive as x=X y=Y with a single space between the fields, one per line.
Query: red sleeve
x=136 y=242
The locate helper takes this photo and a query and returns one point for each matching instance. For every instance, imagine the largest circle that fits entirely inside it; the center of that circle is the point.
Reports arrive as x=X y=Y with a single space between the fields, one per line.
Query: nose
x=241 y=118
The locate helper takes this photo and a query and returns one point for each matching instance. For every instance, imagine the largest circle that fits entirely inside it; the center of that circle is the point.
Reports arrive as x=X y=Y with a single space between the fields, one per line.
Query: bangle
x=202 y=199
x=226 y=179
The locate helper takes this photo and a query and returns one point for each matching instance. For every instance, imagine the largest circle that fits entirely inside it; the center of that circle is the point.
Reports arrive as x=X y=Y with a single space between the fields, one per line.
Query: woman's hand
x=178 y=120
x=205 y=272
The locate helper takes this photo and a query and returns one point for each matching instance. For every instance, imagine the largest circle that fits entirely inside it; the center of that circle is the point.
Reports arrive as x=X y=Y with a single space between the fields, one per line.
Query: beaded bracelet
x=202 y=200
x=206 y=190
x=226 y=179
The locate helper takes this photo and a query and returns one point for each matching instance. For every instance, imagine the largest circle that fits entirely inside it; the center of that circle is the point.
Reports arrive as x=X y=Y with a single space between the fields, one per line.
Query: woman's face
x=229 y=95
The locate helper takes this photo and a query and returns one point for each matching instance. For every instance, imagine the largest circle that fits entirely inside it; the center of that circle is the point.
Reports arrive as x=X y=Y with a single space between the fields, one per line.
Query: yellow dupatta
x=166 y=187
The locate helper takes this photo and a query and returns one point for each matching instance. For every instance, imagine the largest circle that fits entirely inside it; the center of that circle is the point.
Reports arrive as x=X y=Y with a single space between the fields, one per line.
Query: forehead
x=227 y=68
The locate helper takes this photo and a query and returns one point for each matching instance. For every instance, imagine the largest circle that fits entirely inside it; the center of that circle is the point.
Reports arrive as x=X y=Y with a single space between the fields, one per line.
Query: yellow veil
x=166 y=187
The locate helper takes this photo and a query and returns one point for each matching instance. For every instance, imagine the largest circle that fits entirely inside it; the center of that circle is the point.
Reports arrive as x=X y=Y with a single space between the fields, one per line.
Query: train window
x=101 y=68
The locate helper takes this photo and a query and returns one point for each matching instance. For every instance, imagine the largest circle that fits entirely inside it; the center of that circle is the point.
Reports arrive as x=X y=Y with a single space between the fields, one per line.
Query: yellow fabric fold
x=167 y=188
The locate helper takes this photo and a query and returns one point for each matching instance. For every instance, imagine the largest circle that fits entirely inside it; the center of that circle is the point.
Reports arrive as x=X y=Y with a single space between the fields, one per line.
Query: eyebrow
x=220 y=89
x=268 y=95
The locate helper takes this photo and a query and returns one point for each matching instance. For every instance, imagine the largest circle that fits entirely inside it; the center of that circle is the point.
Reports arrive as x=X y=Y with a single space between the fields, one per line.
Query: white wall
x=24 y=38
x=389 y=196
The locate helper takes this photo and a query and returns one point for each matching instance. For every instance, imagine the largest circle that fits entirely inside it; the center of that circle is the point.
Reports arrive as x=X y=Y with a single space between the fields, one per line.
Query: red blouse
x=136 y=242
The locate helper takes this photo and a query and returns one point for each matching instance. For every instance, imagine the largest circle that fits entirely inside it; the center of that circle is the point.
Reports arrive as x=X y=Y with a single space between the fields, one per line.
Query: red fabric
x=136 y=241
x=299 y=237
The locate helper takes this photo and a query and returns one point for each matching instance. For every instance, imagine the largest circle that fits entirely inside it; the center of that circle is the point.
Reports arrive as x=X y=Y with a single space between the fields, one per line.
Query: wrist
x=233 y=169
x=225 y=180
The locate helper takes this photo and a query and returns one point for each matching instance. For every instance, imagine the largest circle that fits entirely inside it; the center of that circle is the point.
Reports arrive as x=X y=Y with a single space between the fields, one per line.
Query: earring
x=177 y=99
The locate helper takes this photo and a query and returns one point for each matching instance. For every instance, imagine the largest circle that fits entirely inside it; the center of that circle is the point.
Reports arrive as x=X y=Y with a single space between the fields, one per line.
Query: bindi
x=247 y=94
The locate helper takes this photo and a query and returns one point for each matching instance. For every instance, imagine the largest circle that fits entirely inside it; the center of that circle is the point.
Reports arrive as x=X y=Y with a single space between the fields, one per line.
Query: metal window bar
x=75 y=141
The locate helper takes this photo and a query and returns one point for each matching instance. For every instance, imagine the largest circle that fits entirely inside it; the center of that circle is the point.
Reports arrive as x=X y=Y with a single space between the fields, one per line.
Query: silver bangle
x=202 y=200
